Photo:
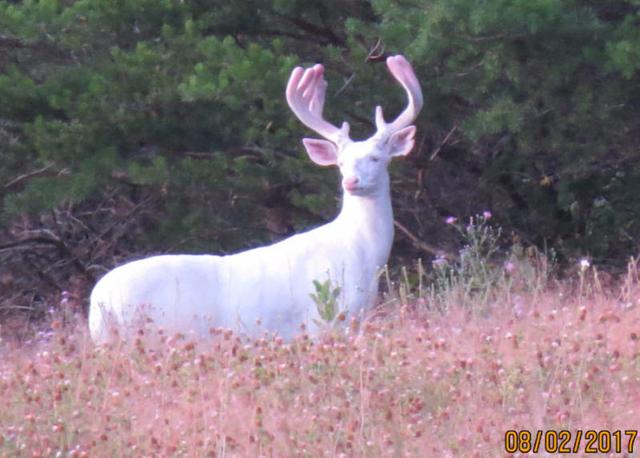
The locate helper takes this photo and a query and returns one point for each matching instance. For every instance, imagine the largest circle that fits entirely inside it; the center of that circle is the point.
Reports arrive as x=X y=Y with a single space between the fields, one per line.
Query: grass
x=453 y=358
x=420 y=379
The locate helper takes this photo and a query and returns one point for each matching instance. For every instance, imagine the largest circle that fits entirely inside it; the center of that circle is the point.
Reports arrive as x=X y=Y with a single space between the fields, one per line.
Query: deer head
x=363 y=164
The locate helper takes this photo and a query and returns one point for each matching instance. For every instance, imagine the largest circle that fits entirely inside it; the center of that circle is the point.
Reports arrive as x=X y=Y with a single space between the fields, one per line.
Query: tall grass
x=448 y=363
x=415 y=381
x=480 y=276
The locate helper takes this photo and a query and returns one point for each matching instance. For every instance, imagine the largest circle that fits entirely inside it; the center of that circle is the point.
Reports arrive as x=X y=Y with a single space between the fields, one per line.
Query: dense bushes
x=134 y=126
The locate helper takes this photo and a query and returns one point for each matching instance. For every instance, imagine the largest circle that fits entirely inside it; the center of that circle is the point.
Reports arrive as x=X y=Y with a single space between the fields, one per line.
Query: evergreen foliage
x=136 y=126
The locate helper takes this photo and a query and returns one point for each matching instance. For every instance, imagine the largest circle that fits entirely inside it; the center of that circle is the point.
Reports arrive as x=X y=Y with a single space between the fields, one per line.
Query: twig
x=442 y=143
x=344 y=86
x=480 y=39
x=26 y=176
x=48 y=240
x=200 y=155
x=377 y=48
x=15 y=307
x=416 y=241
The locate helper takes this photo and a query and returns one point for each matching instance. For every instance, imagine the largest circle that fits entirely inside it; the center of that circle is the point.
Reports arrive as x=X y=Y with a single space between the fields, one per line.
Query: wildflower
x=487 y=214
x=584 y=264
x=451 y=220
x=509 y=267
x=439 y=261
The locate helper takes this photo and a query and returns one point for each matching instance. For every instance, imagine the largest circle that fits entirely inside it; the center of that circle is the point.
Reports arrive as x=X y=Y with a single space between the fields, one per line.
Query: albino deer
x=269 y=288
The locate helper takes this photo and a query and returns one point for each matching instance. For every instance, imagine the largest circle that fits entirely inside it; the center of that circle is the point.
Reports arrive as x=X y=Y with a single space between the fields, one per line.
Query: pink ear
x=322 y=152
x=401 y=142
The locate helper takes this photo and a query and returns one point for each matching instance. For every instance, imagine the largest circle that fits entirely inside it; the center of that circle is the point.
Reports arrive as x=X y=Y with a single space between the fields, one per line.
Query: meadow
x=136 y=127
x=431 y=373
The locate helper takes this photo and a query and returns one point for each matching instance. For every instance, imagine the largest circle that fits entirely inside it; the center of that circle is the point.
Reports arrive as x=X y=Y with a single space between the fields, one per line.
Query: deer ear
x=322 y=152
x=401 y=142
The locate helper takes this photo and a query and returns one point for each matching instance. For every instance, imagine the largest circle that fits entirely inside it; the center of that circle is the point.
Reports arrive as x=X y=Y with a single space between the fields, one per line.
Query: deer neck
x=368 y=221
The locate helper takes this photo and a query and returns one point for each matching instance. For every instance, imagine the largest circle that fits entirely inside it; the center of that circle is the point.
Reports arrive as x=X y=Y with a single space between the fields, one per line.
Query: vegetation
x=423 y=378
x=132 y=126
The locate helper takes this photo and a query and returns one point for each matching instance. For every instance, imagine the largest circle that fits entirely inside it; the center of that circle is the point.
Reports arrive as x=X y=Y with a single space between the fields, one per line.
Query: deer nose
x=350 y=183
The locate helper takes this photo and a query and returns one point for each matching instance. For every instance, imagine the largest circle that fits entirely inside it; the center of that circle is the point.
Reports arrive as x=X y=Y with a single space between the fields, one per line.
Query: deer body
x=269 y=285
x=269 y=288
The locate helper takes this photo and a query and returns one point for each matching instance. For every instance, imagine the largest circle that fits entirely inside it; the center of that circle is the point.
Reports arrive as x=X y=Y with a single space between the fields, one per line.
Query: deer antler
x=305 y=95
x=402 y=71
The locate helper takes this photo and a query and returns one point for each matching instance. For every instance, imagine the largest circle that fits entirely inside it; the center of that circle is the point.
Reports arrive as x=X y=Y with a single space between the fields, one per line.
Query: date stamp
x=565 y=441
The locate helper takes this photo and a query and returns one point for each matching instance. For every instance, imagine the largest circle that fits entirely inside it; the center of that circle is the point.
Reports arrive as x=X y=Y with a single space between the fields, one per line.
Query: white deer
x=270 y=288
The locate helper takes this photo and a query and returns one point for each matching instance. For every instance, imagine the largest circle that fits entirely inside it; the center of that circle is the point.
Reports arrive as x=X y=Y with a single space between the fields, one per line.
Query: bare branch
x=376 y=53
x=442 y=143
x=417 y=242
x=16 y=181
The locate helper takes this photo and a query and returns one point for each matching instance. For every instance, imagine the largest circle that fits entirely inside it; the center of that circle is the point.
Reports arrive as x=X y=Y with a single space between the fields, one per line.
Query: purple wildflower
x=439 y=261
x=509 y=267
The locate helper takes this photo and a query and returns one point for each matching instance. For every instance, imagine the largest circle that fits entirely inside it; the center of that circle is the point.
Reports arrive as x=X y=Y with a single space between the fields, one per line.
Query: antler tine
x=402 y=71
x=306 y=94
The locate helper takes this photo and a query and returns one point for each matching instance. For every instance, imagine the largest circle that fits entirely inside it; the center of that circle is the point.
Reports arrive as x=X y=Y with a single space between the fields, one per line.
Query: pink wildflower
x=509 y=267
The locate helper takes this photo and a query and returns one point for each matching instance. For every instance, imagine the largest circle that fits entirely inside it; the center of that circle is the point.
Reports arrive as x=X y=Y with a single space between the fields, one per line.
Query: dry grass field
x=417 y=380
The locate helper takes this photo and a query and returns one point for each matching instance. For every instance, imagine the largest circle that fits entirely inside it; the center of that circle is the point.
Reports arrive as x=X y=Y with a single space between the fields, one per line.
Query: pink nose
x=350 y=183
